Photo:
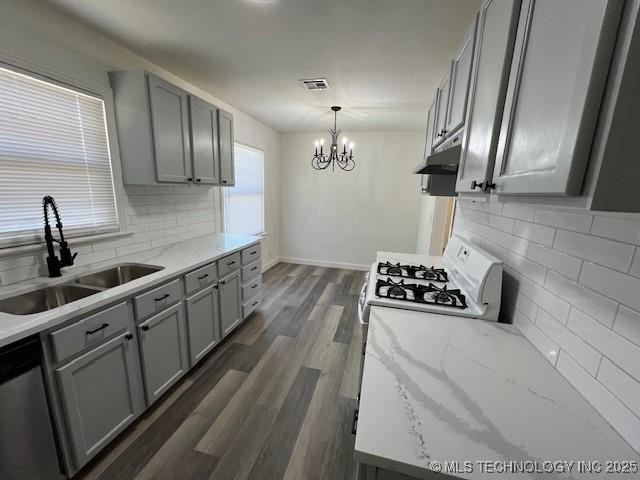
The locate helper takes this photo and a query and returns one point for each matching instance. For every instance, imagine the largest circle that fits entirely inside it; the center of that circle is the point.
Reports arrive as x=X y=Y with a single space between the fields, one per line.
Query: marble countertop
x=177 y=258
x=443 y=389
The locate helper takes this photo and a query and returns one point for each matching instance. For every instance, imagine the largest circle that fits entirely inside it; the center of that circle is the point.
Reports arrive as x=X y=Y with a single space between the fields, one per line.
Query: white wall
x=572 y=285
x=33 y=33
x=342 y=218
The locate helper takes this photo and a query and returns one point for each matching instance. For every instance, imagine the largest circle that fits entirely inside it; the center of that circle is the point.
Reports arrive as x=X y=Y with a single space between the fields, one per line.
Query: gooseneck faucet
x=66 y=259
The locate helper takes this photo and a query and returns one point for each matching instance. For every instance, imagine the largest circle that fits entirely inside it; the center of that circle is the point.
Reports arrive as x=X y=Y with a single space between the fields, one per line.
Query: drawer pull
x=254 y=252
x=354 y=423
x=254 y=303
x=165 y=296
x=102 y=327
x=202 y=277
x=145 y=328
x=129 y=336
x=231 y=263
x=223 y=282
x=216 y=287
x=253 y=268
x=254 y=286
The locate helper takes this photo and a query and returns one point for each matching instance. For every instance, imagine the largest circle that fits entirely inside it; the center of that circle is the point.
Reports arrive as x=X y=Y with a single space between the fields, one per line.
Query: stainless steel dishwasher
x=27 y=443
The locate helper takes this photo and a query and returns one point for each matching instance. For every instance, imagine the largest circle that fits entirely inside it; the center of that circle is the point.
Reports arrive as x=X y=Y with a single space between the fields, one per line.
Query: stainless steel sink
x=44 y=299
x=117 y=275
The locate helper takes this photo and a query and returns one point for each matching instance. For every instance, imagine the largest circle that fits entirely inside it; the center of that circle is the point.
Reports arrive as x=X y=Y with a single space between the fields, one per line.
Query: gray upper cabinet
x=170 y=127
x=101 y=394
x=560 y=63
x=460 y=77
x=168 y=136
x=230 y=302
x=442 y=102
x=163 y=350
x=428 y=145
x=204 y=141
x=203 y=322
x=225 y=129
x=495 y=35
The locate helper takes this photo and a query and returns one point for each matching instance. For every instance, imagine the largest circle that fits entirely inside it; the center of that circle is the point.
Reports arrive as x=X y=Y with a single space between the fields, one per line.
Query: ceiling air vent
x=315 y=83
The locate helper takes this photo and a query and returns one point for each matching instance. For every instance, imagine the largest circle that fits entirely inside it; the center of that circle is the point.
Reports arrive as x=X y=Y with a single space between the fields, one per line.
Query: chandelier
x=343 y=159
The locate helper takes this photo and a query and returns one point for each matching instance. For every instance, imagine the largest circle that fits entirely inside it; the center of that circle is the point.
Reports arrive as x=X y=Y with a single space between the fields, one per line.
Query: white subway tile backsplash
x=17 y=262
x=544 y=344
x=534 y=232
x=627 y=324
x=621 y=385
x=560 y=262
x=622 y=288
x=617 y=228
x=599 y=250
x=619 y=416
x=609 y=343
x=568 y=220
x=586 y=313
x=587 y=356
x=592 y=303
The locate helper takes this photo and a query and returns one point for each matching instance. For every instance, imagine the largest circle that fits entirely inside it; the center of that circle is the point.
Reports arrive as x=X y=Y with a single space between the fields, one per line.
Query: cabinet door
x=428 y=144
x=163 y=348
x=225 y=130
x=493 y=50
x=101 y=394
x=442 y=101
x=560 y=63
x=460 y=77
x=204 y=141
x=170 y=127
x=203 y=322
x=230 y=303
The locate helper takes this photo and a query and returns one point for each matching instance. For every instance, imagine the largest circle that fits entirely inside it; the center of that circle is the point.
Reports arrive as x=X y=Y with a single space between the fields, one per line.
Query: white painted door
x=560 y=63
x=497 y=24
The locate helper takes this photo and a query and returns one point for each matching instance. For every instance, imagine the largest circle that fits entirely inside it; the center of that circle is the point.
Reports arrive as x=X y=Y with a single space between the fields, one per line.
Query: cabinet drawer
x=200 y=278
x=157 y=299
x=250 y=272
x=251 y=254
x=251 y=289
x=249 y=307
x=228 y=264
x=89 y=332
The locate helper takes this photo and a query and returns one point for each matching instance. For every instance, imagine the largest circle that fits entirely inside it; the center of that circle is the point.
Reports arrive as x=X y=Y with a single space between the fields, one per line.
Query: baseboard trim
x=271 y=264
x=324 y=263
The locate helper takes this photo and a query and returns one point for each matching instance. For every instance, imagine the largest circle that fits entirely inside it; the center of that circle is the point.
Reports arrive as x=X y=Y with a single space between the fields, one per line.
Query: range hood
x=444 y=162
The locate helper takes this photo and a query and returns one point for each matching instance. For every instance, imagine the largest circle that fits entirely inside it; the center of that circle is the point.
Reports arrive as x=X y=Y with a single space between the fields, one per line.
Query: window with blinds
x=53 y=141
x=244 y=202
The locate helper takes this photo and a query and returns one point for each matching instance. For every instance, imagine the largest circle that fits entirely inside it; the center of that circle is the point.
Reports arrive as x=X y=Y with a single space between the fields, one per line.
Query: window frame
x=26 y=243
x=223 y=216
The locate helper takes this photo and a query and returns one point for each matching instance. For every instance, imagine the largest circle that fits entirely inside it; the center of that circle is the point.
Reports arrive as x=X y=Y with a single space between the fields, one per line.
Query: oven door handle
x=362 y=299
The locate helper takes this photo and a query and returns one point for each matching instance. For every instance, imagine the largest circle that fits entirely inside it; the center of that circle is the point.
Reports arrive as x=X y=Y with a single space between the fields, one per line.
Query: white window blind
x=244 y=202
x=53 y=141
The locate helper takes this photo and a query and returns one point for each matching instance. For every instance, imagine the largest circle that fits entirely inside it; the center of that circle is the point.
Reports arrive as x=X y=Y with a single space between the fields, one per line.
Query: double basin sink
x=47 y=298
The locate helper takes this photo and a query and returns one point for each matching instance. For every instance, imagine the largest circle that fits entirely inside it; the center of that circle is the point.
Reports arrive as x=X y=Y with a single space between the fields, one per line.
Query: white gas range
x=466 y=281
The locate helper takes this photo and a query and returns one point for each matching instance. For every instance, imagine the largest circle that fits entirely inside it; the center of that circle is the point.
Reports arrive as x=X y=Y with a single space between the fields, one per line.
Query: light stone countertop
x=177 y=258
x=443 y=388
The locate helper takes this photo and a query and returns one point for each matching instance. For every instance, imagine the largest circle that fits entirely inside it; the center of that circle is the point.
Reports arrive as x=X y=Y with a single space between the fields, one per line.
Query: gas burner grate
x=425 y=294
x=418 y=272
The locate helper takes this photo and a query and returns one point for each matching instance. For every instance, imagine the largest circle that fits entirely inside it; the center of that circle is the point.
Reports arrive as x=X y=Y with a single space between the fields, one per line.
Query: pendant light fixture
x=344 y=160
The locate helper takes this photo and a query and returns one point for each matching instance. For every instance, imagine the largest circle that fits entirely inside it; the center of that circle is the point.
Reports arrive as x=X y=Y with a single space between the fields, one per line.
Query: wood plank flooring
x=274 y=401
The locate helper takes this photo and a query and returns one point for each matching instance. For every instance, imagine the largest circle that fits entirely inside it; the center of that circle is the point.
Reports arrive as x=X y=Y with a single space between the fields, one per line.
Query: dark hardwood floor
x=274 y=401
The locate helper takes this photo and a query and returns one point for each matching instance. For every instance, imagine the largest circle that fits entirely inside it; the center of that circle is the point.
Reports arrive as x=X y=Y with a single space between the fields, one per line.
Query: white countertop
x=443 y=388
x=177 y=258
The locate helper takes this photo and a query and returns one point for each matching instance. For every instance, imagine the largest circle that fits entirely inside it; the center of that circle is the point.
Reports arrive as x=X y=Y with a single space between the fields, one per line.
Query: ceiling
x=383 y=58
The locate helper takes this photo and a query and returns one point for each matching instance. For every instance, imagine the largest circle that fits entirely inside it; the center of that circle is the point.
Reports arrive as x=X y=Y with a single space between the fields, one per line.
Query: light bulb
x=351 y=145
x=316 y=143
x=322 y=141
x=345 y=140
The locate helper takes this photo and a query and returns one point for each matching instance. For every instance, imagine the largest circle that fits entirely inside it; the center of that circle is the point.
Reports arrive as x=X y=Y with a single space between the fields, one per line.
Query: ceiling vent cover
x=315 y=83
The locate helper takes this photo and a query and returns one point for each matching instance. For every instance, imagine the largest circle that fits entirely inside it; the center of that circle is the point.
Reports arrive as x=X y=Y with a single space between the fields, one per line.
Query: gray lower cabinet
x=225 y=131
x=163 y=351
x=203 y=322
x=100 y=394
x=204 y=141
x=230 y=302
